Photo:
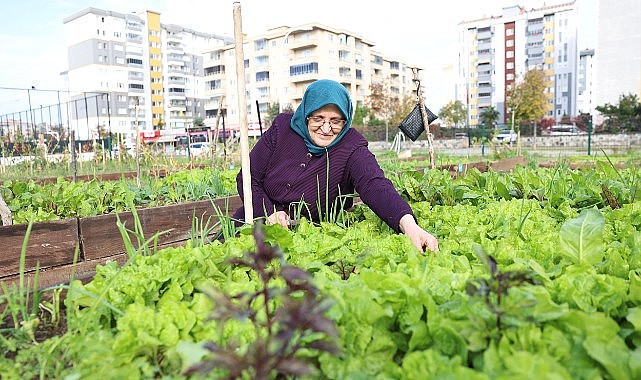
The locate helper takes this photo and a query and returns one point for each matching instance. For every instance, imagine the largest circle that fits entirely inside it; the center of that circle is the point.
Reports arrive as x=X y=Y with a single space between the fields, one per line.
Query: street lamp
x=30 y=118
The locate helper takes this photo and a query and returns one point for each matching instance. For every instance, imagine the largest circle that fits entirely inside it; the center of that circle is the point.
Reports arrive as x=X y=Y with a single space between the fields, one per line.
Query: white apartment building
x=129 y=72
x=495 y=52
x=618 y=50
x=586 y=83
x=281 y=63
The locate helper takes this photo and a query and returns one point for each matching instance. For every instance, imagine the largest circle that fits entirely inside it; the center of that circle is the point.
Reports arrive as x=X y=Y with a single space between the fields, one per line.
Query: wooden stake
x=426 y=124
x=242 y=110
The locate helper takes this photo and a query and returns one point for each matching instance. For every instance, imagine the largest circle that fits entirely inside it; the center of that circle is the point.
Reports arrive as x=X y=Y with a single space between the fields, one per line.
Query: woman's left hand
x=419 y=237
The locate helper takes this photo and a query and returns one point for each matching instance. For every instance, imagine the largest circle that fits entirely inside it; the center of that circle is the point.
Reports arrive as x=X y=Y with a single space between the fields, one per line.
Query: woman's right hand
x=280 y=217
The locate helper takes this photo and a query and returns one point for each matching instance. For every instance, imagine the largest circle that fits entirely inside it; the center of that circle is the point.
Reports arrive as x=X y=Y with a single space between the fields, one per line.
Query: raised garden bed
x=52 y=245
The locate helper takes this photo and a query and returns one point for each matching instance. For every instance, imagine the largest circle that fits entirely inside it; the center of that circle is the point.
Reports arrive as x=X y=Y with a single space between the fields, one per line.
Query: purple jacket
x=283 y=173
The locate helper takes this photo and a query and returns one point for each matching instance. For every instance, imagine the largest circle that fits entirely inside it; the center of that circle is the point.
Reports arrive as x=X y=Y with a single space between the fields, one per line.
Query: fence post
x=589 y=134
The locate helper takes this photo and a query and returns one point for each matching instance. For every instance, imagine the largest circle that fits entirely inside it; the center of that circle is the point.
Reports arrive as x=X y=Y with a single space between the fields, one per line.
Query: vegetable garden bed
x=51 y=247
x=539 y=274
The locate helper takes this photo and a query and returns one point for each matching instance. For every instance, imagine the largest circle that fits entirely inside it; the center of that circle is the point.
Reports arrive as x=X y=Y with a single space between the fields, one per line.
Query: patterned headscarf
x=317 y=95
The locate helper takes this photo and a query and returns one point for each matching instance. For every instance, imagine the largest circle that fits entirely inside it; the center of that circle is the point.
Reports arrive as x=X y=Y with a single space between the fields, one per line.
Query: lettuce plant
x=289 y=320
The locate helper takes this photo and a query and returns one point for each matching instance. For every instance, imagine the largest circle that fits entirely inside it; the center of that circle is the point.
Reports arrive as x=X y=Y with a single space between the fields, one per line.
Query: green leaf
x=502 y=190
x=581 y=238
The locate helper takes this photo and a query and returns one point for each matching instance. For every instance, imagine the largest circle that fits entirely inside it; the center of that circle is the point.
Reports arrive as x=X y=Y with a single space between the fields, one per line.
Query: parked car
x=565 y=130
x=505 y=136
x=199 y=148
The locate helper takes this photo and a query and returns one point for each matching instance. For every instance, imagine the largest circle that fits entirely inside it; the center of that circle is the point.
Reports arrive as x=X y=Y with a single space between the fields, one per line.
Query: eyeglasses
x=319 y=121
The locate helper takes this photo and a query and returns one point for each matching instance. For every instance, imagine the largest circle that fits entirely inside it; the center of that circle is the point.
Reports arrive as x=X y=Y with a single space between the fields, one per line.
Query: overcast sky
x=418 y=32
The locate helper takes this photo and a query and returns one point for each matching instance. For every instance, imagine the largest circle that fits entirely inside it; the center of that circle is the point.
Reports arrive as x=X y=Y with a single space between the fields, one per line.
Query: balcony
x=176 y=59
x=300 y=43
x=307 y=77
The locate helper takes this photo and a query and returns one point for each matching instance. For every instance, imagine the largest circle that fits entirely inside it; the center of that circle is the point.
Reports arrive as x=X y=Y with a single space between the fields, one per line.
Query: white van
x=565 y=130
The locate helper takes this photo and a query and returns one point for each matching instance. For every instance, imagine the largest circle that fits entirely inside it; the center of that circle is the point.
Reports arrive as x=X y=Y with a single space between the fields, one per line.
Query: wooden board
x=50 y=243
x=100 y=236
x=62 y=274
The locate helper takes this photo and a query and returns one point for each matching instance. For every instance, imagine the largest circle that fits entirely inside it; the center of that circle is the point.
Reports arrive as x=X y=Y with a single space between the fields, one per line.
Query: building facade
x=586 y=83
x=618 y=50
x=280 y=64
x=495 y=52
x=130 y=72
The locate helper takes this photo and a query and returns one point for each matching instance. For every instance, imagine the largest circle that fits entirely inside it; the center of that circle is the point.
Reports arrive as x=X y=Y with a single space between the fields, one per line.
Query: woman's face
x=325 y=124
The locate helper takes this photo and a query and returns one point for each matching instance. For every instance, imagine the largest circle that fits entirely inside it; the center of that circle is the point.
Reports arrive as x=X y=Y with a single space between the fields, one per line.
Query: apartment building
x=281 y=63
x=130 y=71
x=586 y=83
x=495 y=52
x=618 y=50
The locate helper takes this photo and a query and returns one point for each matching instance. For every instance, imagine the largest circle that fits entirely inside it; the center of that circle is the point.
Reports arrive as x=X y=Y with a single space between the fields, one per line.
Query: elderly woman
x=308 y=159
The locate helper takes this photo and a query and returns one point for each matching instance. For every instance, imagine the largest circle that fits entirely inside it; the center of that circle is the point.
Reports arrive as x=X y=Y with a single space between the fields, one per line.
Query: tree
x=623 y=117
x=527 y=101
x=489 y=116
x=272 y=112
x=405 y=105
x=453 y=113
x=360 y=113
x=382 y=103
x=198 y=122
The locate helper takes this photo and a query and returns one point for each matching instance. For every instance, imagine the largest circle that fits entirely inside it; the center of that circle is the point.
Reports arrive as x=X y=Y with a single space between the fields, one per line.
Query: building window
x=345 y=72
x=260 y=44
x=262 y=76
x=263 y=92
x=262 y=60
x=214 y=84
x=303 y=69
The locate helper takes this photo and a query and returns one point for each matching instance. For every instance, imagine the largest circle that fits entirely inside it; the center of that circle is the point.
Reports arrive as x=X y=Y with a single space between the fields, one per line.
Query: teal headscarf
x=317 y=95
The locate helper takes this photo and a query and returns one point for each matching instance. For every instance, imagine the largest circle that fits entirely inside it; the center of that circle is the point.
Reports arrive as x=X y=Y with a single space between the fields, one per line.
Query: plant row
x=29 y=200
x=539 y=273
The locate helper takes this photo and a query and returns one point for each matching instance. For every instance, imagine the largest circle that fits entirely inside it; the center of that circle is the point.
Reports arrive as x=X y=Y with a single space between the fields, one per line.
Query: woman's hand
x=279 y=217
x=419 y=237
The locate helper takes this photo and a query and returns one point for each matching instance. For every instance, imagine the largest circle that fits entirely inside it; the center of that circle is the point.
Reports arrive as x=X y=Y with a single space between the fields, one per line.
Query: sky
x=421 y=33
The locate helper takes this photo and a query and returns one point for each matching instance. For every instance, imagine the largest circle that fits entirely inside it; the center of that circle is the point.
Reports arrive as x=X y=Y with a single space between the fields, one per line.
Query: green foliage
x=398 y=313
x=453 y=113
x=494 y=290
x=527 y=100
x=287 y=319
x=489 y=116
x=65 y=199
x=360 y=113
x=198 y=122
x=624 y=116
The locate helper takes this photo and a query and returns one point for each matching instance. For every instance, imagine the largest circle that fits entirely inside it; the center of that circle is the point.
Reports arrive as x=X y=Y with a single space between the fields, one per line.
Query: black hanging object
x=412 y=126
